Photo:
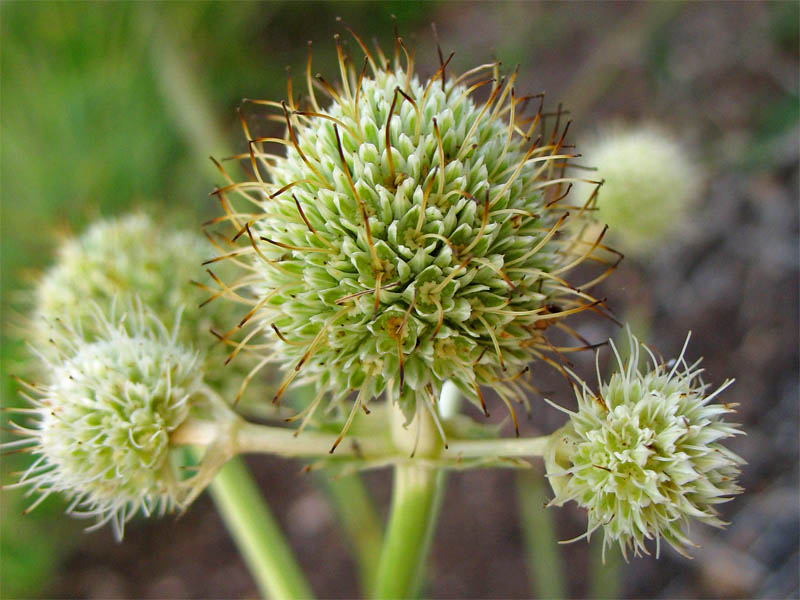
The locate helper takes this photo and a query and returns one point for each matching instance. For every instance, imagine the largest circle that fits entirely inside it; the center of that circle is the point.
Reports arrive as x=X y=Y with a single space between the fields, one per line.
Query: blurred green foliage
x=785 y=25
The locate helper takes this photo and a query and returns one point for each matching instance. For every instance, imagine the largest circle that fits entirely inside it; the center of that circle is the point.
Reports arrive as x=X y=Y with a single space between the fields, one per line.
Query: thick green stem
x=415 y=507
x=242 y=437
x=359 y=521
x=542 y=552
x=605 y=573
x=508 y=447
x=246 y=438
x=409 y=532
x=257 y=534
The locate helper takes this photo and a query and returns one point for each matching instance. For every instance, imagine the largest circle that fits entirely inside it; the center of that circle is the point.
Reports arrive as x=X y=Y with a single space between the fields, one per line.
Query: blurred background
x=115 y=106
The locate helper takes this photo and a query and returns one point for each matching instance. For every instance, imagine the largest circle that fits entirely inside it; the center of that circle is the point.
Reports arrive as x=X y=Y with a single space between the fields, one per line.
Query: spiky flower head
x=649 y=183
x=129 y=255
x=134 y=255
x=403 y=234
x=643 y=455
x=102 y=421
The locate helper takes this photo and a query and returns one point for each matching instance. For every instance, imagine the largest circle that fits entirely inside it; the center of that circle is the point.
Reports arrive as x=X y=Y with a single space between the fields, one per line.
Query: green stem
x=257 y=534
x=244 y=438
x=359 y=521
x=184 y=94
x=507 y=447
x=605 y=576
x=415 y=507
x=409 y=532
x=542 y=552
x=265 y=439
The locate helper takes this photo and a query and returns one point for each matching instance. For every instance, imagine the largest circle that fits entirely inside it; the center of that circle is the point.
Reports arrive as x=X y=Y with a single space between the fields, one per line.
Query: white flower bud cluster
x=649 y=182
x=643 y=455
x=102 y=421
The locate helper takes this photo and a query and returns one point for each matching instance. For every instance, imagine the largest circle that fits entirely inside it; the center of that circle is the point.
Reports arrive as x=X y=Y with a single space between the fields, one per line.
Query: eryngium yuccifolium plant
x=643 y=455
x=403 y=234
x=649 y=181
x=102 y=420
x=134 y=255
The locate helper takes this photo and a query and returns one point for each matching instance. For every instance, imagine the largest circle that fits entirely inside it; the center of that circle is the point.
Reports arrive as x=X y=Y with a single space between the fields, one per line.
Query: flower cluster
x=649 y=181
x=642 y=456
x=406 y=235
x=132 y=255
x=129 y=255
x=403 y=237
x=103 y=418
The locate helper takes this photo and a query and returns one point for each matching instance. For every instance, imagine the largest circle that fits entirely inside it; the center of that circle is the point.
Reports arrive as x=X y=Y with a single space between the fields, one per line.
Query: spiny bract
x=103 y=419
x=376 y=271
x=643 y=455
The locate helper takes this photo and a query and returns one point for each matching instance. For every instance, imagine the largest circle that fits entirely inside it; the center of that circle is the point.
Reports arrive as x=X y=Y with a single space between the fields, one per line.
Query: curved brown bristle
x=376 y=263
x=387 y=141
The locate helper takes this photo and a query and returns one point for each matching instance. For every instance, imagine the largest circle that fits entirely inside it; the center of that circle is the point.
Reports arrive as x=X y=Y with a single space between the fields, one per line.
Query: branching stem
x=250 y=438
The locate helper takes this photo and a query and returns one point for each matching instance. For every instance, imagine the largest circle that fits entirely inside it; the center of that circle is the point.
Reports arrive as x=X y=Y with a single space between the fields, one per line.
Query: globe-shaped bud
x=404 y=235
x=643 y=455
x=134 y=255
x=127 y=255
x=102 y=421
x=649 y=181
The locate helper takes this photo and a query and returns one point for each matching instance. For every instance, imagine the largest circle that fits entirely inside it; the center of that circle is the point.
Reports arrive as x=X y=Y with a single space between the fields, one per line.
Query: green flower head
x=643 y=456
x=134 y=255
x=128 y=255
x=102 y=421
x=403 y=234
x=649 y=182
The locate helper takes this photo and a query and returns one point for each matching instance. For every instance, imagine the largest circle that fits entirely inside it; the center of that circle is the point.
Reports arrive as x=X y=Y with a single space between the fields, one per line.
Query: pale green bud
x=649 y=182
x=101 y=422
x=643 y=456
x=128 y=255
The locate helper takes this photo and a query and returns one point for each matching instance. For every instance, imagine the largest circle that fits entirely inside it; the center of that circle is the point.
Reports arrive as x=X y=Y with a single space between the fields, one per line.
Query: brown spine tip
x=387 y=141
x=439 y=53
x=482 y=400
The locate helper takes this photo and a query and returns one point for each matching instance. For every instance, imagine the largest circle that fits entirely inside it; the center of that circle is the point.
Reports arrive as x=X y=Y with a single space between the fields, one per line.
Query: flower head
x=404 y=235
x=134 y=255
x=128 y=255
x=102 y=421
x=648 y=183
x=643 y=456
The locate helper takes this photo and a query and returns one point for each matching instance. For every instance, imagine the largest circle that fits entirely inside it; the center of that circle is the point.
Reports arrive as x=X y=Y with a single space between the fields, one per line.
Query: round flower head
x=102 y=421
x=404 y=235
x=643 y=455
x=133 y=255
x=129 y=255
x=648 y=183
